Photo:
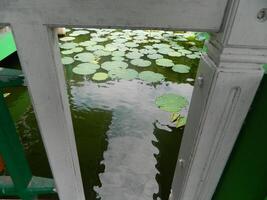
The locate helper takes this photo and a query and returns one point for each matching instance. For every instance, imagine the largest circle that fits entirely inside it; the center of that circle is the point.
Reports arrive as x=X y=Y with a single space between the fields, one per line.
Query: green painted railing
x=7 y=44
x=20 y=181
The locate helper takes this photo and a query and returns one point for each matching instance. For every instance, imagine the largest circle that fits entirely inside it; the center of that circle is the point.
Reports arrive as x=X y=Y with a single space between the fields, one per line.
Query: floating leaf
x=100 y=76
x=118 y=53
x=66 y=39
x=154 y=56
x=84 y=57
x=89 y=65
x=67 y=52
x=110 y=65
x=171 y=102
x=87 y=43
x=79 y=32
x=117 y=58
x=68 y=45
x=126 y=74
x=141 y=62
x=94 y=47
x=84 y=69
x=134 y=55
x=67 y=60
x=174 y=54
x=165 y=51
x=102 y=53
x=181 y=68
x=131 y=44
x=77 y=49
x=164 y=62
x=151 y=77
x=181 y=121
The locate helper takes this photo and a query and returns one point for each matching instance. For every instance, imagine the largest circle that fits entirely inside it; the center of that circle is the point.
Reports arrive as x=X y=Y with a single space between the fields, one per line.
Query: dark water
x=127 y=146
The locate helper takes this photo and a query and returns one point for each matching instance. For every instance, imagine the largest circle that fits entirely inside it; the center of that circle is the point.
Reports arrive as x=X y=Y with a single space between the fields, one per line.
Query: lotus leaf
x=77 y=49
x=100 y=76
x=164 y=62
x=151 y=77
x=66 y=39
x=174 y=54
x=134 y=55
x=84 y=57
x=154 y=56
x=67 y=60
x=126 y=74
x=67 y=52
x=83 y=70
x=131 y=44
x=87 y=43
x=68 y=45
x=102 y=53
x=140 y=62
x=171 y=102
x=94 y=47
x=118 y=53
x=110 y=65
x=181 y=68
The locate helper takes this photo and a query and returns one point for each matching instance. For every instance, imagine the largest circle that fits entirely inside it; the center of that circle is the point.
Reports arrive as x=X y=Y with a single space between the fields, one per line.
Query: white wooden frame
x=226 y=82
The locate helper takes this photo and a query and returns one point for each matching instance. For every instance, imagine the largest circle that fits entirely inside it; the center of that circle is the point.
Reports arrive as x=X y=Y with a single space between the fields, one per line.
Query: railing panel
x=168 y=14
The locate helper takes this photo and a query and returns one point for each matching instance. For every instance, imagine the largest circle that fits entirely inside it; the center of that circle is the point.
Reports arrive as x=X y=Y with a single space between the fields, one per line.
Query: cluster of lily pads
x=127 y=54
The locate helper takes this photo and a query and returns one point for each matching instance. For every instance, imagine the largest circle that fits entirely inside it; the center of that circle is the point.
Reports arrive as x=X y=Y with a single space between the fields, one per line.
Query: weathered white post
x=38 y=51
x=227 y=81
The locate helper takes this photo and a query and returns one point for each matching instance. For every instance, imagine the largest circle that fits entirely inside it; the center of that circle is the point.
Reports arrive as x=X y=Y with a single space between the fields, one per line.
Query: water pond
x=129 y=93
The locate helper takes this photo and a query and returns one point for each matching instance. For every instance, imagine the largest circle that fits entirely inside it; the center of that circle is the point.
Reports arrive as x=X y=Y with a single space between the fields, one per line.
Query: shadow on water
x=167 y=141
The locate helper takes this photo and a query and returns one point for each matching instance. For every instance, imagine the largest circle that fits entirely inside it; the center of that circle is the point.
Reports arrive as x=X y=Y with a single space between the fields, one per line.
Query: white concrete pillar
x=227 y=80
x=39 y=56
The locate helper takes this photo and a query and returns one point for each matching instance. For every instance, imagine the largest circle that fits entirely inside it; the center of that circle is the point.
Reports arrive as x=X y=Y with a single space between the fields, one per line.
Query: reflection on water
x=127 y=146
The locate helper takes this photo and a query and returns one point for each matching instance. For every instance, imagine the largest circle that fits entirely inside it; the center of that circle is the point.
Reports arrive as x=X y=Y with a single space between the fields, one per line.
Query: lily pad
x=84 y=57
x=151 y=77
x=134 y=55
x=77 y=49
x=68 y=45
x=165 y=51
x=67 y=60
x=94 y=47
x=171 y=102
x=83 y=70
x=66 y=39
x=102 y=53
x=155 y=56
x=99 y=39
x=140 y=62
x=131 y=44
x=118 y=53
x=126 y=74
x=100 y=76
x=87 y=43
x=181 y=69
x=110 y=65
x=164 y=62
x=67 y=52
x=79 y=32
x=174 y=54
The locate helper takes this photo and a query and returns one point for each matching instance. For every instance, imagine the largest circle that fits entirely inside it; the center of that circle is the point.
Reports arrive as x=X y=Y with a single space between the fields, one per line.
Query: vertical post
x=228 y=78
x=39 y=56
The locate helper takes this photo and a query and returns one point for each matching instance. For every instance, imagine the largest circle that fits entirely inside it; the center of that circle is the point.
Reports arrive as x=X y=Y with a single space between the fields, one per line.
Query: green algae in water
x=171 y=102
